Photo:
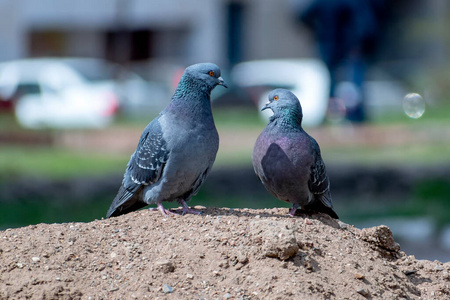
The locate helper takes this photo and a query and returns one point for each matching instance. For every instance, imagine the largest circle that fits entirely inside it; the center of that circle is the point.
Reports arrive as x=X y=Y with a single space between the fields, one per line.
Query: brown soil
x=222 y=254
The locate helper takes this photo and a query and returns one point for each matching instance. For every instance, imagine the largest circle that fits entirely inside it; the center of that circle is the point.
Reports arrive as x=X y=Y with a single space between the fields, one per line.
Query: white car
x=308 y=79
x=72 y=92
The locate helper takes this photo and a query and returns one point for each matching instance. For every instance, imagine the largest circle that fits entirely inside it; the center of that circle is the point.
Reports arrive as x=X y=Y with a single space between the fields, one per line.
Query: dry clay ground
x=222 y=254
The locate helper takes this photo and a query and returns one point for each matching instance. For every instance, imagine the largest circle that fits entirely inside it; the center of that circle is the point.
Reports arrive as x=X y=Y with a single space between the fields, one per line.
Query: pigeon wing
x=318 y=183
x=147 y=162
x=145 y=167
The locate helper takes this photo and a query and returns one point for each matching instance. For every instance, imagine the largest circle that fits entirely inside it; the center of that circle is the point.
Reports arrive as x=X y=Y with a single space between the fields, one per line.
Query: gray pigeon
x=287 y=160
x=176 y=150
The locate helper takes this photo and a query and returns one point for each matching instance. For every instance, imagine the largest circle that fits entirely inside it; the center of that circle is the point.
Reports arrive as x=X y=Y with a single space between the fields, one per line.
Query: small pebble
x=363 y=293
x=438 y=268
x=242 y=258
x=342 y=225
x=410 y=272
x=167 y=289
x=166 y=266
x=35 y=259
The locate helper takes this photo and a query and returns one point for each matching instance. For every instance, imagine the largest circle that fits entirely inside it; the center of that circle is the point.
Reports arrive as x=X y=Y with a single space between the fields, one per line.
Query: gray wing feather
x=198 y=183
x=145 y=167
x=147 y=162
x=318 y=183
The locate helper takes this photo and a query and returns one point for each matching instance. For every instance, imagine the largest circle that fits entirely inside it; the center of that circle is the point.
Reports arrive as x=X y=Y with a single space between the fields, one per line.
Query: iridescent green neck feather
x=189 y=86
x=288 y=117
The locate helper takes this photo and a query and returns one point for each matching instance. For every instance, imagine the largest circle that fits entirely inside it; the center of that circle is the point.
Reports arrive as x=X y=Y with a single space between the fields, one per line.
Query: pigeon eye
x=211 y=73
x=275 y=98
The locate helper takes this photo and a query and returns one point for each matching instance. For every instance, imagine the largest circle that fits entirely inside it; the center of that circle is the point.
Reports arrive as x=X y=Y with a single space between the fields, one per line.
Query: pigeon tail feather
x=319 y=206
x=125 y=202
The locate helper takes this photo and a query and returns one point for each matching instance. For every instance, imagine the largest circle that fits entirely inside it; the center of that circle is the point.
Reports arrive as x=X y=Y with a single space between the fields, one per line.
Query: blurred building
x=129 y=30
x=223 y=31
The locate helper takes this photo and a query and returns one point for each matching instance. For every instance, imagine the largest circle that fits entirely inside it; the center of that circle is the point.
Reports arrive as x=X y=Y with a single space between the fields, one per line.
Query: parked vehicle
x=72 y=92
x=308 y=79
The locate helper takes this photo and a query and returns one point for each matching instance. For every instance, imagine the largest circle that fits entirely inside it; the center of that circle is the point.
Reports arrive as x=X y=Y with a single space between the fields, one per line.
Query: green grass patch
x=432 y=197
x=417 y=154
x=231 y=118
x=26 y=212
x=56 y=163
x=240 y=157
x=436 y=113
x=8 y=123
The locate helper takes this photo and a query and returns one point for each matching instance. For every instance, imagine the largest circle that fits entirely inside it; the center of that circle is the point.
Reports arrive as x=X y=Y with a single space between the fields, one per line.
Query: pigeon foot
x=165 y=212
x=187 y=210
x=293 y=210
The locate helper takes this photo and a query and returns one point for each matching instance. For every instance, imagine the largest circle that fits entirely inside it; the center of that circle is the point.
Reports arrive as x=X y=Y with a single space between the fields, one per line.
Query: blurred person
x=347 y=32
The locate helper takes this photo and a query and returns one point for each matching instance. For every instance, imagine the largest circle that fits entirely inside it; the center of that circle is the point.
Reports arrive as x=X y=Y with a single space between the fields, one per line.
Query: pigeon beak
x=266 y=106
x=222 y=82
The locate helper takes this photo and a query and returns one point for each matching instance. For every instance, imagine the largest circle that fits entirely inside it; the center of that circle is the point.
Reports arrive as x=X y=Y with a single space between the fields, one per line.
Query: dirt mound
x=222 y=254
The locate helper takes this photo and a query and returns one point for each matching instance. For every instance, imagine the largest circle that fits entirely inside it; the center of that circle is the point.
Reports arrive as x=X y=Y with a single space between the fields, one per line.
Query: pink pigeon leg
x=293 y=210
x=164 y=211
x=187 y=210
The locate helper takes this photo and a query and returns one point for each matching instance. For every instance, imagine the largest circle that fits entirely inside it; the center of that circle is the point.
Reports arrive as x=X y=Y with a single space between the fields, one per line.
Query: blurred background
x=80 y=80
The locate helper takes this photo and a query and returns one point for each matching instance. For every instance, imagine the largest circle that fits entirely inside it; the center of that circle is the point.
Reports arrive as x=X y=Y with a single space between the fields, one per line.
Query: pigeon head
x=284 y=104
x=203 y=76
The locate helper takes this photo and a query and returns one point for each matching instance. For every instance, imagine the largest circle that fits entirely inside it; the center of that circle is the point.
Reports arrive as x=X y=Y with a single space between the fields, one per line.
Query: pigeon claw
x=165 y=212
x=293 y=210
x=187 y=210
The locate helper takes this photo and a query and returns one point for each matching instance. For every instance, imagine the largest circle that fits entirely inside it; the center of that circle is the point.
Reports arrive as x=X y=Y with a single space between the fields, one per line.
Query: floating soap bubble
x=413 y=105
